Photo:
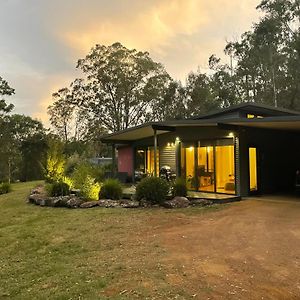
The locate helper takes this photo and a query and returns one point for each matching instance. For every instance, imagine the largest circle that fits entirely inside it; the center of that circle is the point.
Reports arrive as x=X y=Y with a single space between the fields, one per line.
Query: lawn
x=58 y=253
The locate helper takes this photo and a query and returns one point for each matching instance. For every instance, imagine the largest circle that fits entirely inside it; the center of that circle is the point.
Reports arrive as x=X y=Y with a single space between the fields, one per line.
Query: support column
x=178 y=157
x=113 y=167
x=155 y=153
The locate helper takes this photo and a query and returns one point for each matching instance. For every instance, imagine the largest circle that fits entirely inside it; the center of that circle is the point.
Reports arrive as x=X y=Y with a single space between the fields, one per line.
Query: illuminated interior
x=206 y=168
x=250 y=116
x=141 y=160
x=150 y=161
x=253 y=169
x=209 y=168
x=225 y=172
x=188 y=164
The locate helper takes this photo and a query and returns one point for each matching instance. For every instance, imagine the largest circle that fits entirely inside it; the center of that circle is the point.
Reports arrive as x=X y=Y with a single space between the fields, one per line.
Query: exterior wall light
x=231 y=134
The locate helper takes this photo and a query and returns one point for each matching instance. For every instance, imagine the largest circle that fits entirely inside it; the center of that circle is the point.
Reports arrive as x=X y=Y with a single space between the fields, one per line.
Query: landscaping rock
x=144 y=203
x=177 y=202
x=47 y=201
x=201 y=202
x=89 y=204
x=74 y=202
x=32 y=198
x=129 y=204
x=108 y=203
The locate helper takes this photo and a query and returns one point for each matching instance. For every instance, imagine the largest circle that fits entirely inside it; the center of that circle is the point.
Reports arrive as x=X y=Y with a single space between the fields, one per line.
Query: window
x=225 y=170
x=250 y=116
x=210 y=167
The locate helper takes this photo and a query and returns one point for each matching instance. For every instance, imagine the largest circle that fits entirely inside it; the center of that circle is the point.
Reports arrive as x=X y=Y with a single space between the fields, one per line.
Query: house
x=240 y=150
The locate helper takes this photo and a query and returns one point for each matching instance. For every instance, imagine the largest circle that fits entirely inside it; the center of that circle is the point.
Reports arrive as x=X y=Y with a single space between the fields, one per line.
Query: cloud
x=42 y=40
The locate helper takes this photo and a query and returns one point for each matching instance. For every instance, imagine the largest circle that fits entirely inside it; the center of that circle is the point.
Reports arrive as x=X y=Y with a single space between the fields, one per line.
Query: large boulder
x=177 y=202
x=200 y=202
x=89 y=204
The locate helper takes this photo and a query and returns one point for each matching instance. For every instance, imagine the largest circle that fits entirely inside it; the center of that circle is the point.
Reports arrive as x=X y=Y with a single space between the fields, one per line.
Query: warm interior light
x=191 y=148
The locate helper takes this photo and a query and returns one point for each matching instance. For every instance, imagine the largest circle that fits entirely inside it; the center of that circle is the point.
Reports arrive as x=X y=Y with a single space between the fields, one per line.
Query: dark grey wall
x=278 y=159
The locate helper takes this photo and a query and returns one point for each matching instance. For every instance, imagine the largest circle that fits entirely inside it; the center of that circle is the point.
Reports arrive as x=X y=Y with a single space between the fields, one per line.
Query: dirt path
x=250 y=250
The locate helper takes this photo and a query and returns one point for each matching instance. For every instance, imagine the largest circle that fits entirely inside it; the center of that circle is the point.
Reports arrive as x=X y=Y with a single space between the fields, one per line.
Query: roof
x=249 y=107
x=280 y=119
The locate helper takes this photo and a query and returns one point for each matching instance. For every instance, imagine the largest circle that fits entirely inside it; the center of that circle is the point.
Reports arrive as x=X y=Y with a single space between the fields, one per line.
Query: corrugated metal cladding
x=167 y=157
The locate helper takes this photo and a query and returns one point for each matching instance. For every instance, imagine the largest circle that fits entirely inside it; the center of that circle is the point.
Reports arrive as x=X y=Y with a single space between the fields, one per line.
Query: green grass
x=58 y=253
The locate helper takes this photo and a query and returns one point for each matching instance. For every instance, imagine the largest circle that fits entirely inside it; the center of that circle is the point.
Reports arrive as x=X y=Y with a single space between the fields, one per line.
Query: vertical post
x=133 y=164
x=155 y=153
x=113 y=160
x=178 y=157
x=196 y=166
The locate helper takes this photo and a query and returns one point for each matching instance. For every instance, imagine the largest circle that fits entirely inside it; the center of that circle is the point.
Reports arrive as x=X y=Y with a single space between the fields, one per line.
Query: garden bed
x=38 y=196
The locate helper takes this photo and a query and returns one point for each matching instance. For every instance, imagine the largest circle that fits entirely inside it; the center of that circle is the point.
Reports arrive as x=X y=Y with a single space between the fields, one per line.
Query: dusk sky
x=41 y=40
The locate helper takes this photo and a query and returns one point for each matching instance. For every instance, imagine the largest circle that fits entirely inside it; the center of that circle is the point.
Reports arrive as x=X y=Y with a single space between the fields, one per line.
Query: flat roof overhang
x=290 y=123
x=135 y=133
x=146 y=130
x=127 y=136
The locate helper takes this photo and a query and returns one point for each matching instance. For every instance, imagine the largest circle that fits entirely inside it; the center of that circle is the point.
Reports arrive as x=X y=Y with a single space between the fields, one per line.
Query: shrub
x=179 y=188
x=5 y=188
x=152 y=189
x=90 y=189
x=58 y=189
x=83 y=178
x=111 y=189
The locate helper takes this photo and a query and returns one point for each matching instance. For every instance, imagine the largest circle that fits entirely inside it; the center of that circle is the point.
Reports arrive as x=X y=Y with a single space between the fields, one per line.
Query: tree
x=268 y=62
x=124 y=87
x=61 y=112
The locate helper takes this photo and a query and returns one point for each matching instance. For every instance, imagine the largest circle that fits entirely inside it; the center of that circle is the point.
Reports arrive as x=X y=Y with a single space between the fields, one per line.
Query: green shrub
x=83 y=178
x=58 y=189
x=111 y=189
x=5 y=188
x=179 y=188
x=90 y=189
x=152 y=189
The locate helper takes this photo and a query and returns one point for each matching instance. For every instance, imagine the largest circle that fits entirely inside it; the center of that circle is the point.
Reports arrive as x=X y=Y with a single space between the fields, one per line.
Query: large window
x=145 y=160
x=209 y=167
x=151 y=162
x=188 y=166
x=206 y=169
x=225 y=174
x=252 y=169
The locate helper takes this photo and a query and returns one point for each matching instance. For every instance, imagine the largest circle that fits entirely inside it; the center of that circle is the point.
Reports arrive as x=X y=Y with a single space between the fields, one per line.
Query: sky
x=41 y=40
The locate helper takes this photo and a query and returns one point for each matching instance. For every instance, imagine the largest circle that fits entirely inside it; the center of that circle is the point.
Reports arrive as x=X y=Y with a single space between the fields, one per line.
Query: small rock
x=108 y=203
x=74 y=202
x=129 y=204
x=89 y=204
x=177 y=202
x=144 y=203
x=200 y=202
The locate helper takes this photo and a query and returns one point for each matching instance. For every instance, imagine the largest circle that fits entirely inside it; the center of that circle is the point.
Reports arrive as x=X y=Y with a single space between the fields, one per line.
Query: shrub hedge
x=179 y=188
x=152 y=189
x=111 y=189
x=5 y=188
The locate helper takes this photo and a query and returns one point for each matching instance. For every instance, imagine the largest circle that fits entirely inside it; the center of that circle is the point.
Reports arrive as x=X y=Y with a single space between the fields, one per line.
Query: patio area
x=216 y=198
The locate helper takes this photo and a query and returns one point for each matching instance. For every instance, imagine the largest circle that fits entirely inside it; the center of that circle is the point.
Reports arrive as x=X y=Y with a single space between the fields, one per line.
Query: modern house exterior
x=244 y=149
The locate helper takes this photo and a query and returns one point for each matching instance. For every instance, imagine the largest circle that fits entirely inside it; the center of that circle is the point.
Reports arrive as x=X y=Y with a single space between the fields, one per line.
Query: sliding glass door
x=225 y=169
x=209 y=167
x=206 y=169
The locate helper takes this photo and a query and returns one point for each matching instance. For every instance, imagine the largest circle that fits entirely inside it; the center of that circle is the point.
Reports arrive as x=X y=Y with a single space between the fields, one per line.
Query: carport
x=276 y=142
